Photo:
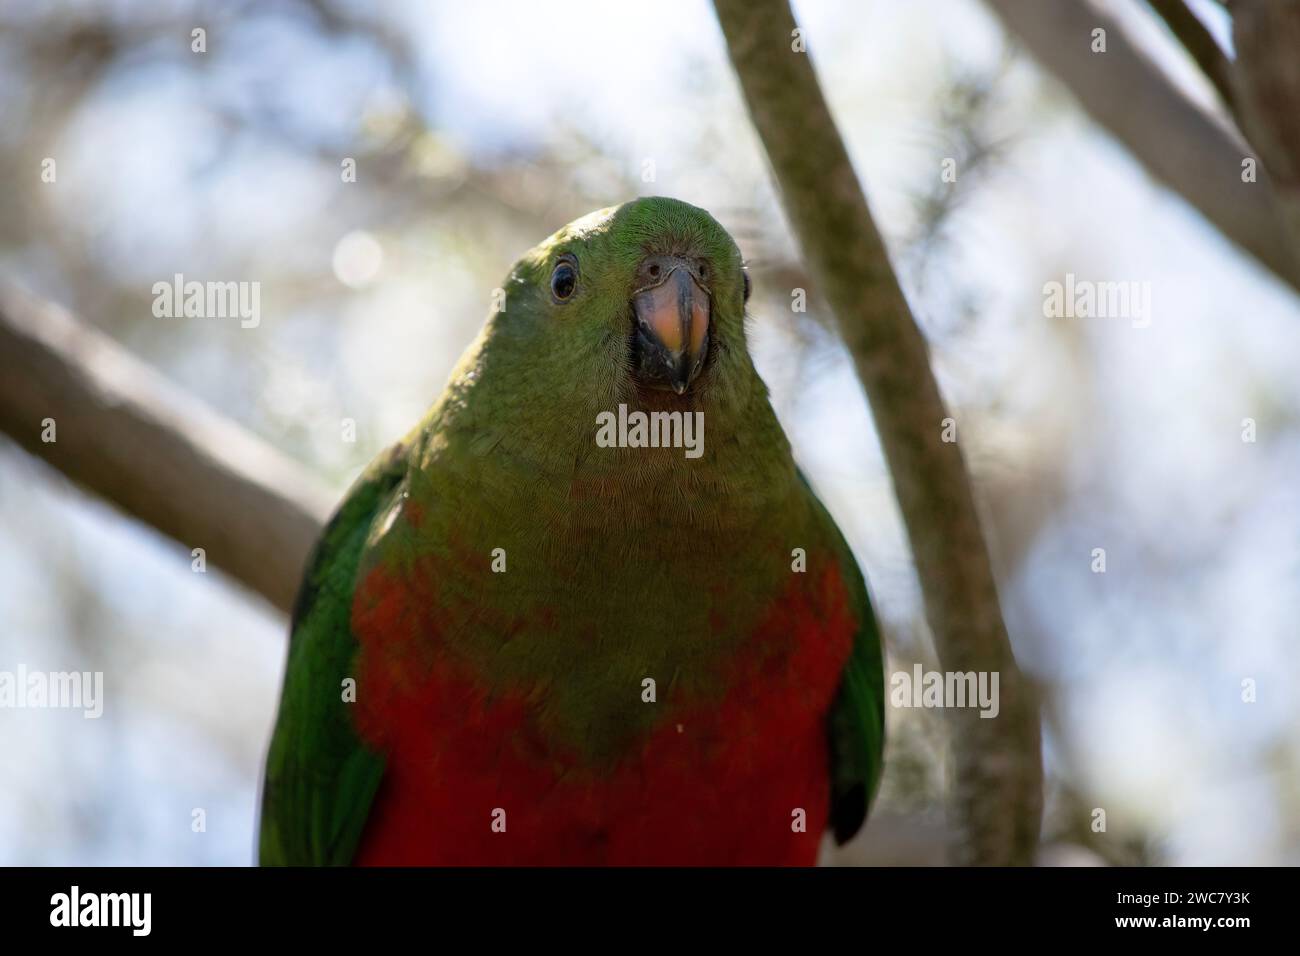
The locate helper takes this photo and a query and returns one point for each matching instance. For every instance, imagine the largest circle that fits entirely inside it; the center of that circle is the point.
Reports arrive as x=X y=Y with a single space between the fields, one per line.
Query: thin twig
x=1195 y=153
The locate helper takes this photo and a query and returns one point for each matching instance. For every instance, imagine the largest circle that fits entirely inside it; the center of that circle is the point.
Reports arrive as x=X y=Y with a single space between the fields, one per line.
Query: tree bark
x=1266 y=34
x=128 y=435
x=997 y=781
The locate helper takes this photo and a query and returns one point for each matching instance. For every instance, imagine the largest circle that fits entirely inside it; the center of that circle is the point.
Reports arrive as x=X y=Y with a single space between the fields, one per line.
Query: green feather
x=320 y=779
x=857 y=719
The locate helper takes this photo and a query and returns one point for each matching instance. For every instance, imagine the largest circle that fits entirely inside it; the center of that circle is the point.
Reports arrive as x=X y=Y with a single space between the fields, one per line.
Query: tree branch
x=1193 y=153
x=1266 y=34
x=127 y=434
x=997 y=797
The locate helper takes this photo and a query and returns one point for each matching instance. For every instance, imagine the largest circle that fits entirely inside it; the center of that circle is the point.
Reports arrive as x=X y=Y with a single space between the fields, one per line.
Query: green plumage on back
x=320 y=779
x=857 y=720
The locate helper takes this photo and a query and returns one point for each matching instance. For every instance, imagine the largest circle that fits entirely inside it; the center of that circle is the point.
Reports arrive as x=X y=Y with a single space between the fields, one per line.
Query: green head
x=641 y=304
x=656 y=285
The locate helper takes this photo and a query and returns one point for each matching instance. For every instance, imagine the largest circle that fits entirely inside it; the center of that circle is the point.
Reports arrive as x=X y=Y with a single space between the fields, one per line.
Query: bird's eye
x=747 y=288
x=564 y=280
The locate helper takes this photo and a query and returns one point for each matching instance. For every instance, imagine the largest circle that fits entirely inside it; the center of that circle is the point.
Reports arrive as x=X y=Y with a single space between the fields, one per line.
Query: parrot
x=517 y=645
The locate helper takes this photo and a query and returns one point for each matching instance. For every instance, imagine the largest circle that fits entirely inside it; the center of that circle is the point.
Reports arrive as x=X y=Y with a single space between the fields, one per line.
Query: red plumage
x=714 y=782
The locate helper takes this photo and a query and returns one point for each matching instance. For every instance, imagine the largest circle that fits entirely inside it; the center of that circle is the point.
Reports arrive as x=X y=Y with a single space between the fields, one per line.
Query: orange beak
x=672 y=329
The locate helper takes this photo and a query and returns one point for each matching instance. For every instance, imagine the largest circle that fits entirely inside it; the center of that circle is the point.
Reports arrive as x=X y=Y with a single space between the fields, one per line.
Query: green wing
x=857 y=718
x=320 y=779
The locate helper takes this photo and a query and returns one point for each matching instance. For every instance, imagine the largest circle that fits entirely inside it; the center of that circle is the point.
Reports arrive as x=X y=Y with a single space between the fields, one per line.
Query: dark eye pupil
x=563 y=280
x=746 y=276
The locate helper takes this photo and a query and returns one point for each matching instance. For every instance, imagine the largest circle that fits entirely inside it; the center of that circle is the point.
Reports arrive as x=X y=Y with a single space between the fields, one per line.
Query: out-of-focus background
x=479 y=128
